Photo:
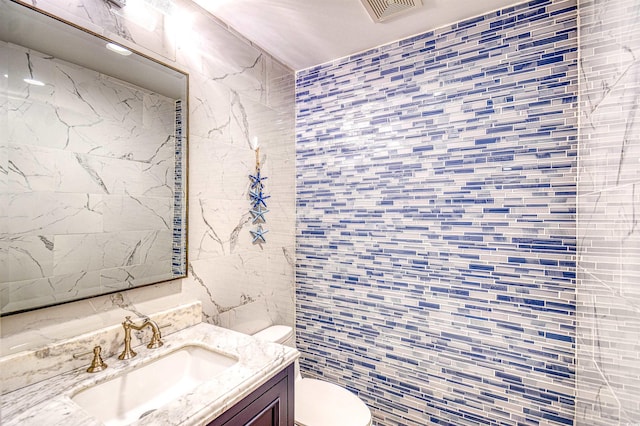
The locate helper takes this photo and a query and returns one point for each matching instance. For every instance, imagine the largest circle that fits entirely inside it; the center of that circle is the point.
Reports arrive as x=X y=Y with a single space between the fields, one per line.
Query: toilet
x=319 y=403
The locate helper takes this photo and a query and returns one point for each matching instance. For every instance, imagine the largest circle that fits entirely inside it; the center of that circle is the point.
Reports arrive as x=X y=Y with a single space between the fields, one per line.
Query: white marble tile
x=126 y=277
x=49 y=213
x=229 y=181
x=118 y=176
x=227 y=283
x=4 y=154
x=137 y=23
x=153 y=247
x=112 y=139
x=158 y=113
x=215 y=226
x=29 y=111
x=189 y=26
x=20 y=295
x=233 y=62
x=278 y=272
x=24 y=65
x=222 y=285
x=26 y=257
x=31 y=108
x=147 y=26
x=87 y=93
x=211 y=120
x=248 y=319
x=280 y=86
x=32 y=168
x=613 y=325
x=251 y=119
x=608 y=311
x=90 y=252
x=599 y=405
x=131 y=213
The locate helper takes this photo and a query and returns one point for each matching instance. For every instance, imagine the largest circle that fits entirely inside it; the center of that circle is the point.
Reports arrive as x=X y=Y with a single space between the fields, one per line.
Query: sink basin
x=140 y=391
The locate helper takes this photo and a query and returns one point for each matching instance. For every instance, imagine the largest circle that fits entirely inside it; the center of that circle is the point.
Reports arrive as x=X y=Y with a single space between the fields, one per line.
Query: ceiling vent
x=383 y=10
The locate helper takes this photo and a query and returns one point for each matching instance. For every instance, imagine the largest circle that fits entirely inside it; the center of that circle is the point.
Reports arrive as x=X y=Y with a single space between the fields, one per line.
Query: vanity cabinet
x=270 y=405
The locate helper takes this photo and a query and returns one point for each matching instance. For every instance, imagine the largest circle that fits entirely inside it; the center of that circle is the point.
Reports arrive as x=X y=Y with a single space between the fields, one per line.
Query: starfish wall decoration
x=258 y=235
x=258 y=214
x=256 y=181
x=258 y=202
x=258 y=198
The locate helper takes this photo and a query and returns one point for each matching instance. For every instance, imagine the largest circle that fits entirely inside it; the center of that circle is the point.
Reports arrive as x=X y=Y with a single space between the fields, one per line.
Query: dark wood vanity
x=270 y=405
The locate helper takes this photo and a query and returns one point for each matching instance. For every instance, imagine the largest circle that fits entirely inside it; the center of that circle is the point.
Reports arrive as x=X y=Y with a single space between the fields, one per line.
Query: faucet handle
x=97 y=364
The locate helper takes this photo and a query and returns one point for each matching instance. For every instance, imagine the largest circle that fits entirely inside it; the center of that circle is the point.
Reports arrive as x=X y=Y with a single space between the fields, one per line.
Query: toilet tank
x=282 y=334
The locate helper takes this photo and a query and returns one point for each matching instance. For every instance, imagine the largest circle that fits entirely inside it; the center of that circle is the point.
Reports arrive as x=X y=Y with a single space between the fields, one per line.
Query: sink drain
x=146 y=413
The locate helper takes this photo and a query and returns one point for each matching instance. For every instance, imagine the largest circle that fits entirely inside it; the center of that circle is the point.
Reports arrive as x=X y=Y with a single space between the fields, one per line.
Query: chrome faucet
x=128 y=325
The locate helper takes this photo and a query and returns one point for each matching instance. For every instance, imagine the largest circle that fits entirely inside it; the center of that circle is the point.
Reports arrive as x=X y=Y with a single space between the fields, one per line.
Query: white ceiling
x=303 y=33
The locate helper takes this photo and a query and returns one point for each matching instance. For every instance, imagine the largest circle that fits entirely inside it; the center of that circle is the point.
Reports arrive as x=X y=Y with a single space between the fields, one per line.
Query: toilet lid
x=275 y=333
x=320 y=403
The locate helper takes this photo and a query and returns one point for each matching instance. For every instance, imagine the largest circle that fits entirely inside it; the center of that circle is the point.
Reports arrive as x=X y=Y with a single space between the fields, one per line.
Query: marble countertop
x=49 y=402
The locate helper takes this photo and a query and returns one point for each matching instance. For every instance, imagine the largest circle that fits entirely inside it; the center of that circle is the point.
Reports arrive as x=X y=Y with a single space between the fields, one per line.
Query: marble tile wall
x=82 y=151
x=237 y=93
x=608 y=297
x=436 y=221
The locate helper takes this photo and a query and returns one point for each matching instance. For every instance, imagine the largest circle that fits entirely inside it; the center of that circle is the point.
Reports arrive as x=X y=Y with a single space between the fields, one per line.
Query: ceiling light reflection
x=118 y=49
x=33 y=82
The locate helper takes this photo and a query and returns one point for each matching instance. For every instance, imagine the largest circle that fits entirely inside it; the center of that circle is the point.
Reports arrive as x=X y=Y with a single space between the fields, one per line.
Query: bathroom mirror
x=92 y=164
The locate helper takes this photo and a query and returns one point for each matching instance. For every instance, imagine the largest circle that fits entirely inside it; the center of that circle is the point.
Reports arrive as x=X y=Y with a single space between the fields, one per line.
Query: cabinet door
x=269 y=405
x=269 y=416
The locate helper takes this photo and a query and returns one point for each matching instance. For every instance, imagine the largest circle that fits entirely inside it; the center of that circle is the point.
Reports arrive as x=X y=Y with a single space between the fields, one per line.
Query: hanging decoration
x=258 y=201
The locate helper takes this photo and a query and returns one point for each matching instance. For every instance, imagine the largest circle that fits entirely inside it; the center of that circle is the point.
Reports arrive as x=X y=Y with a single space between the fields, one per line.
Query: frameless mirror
x=92 y=164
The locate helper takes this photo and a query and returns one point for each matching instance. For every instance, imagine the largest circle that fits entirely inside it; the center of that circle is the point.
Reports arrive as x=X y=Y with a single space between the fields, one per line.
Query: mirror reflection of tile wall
x=90 y=183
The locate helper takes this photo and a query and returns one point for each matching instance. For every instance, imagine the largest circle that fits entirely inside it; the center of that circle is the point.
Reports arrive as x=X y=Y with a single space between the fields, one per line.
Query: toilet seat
x=319 y=403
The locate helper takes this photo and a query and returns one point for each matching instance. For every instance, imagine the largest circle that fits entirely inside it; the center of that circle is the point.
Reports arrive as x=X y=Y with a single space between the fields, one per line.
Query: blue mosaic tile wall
x=436 y=188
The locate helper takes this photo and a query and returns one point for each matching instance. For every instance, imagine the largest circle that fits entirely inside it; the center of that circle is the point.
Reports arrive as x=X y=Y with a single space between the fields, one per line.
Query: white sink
x=136 y=393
